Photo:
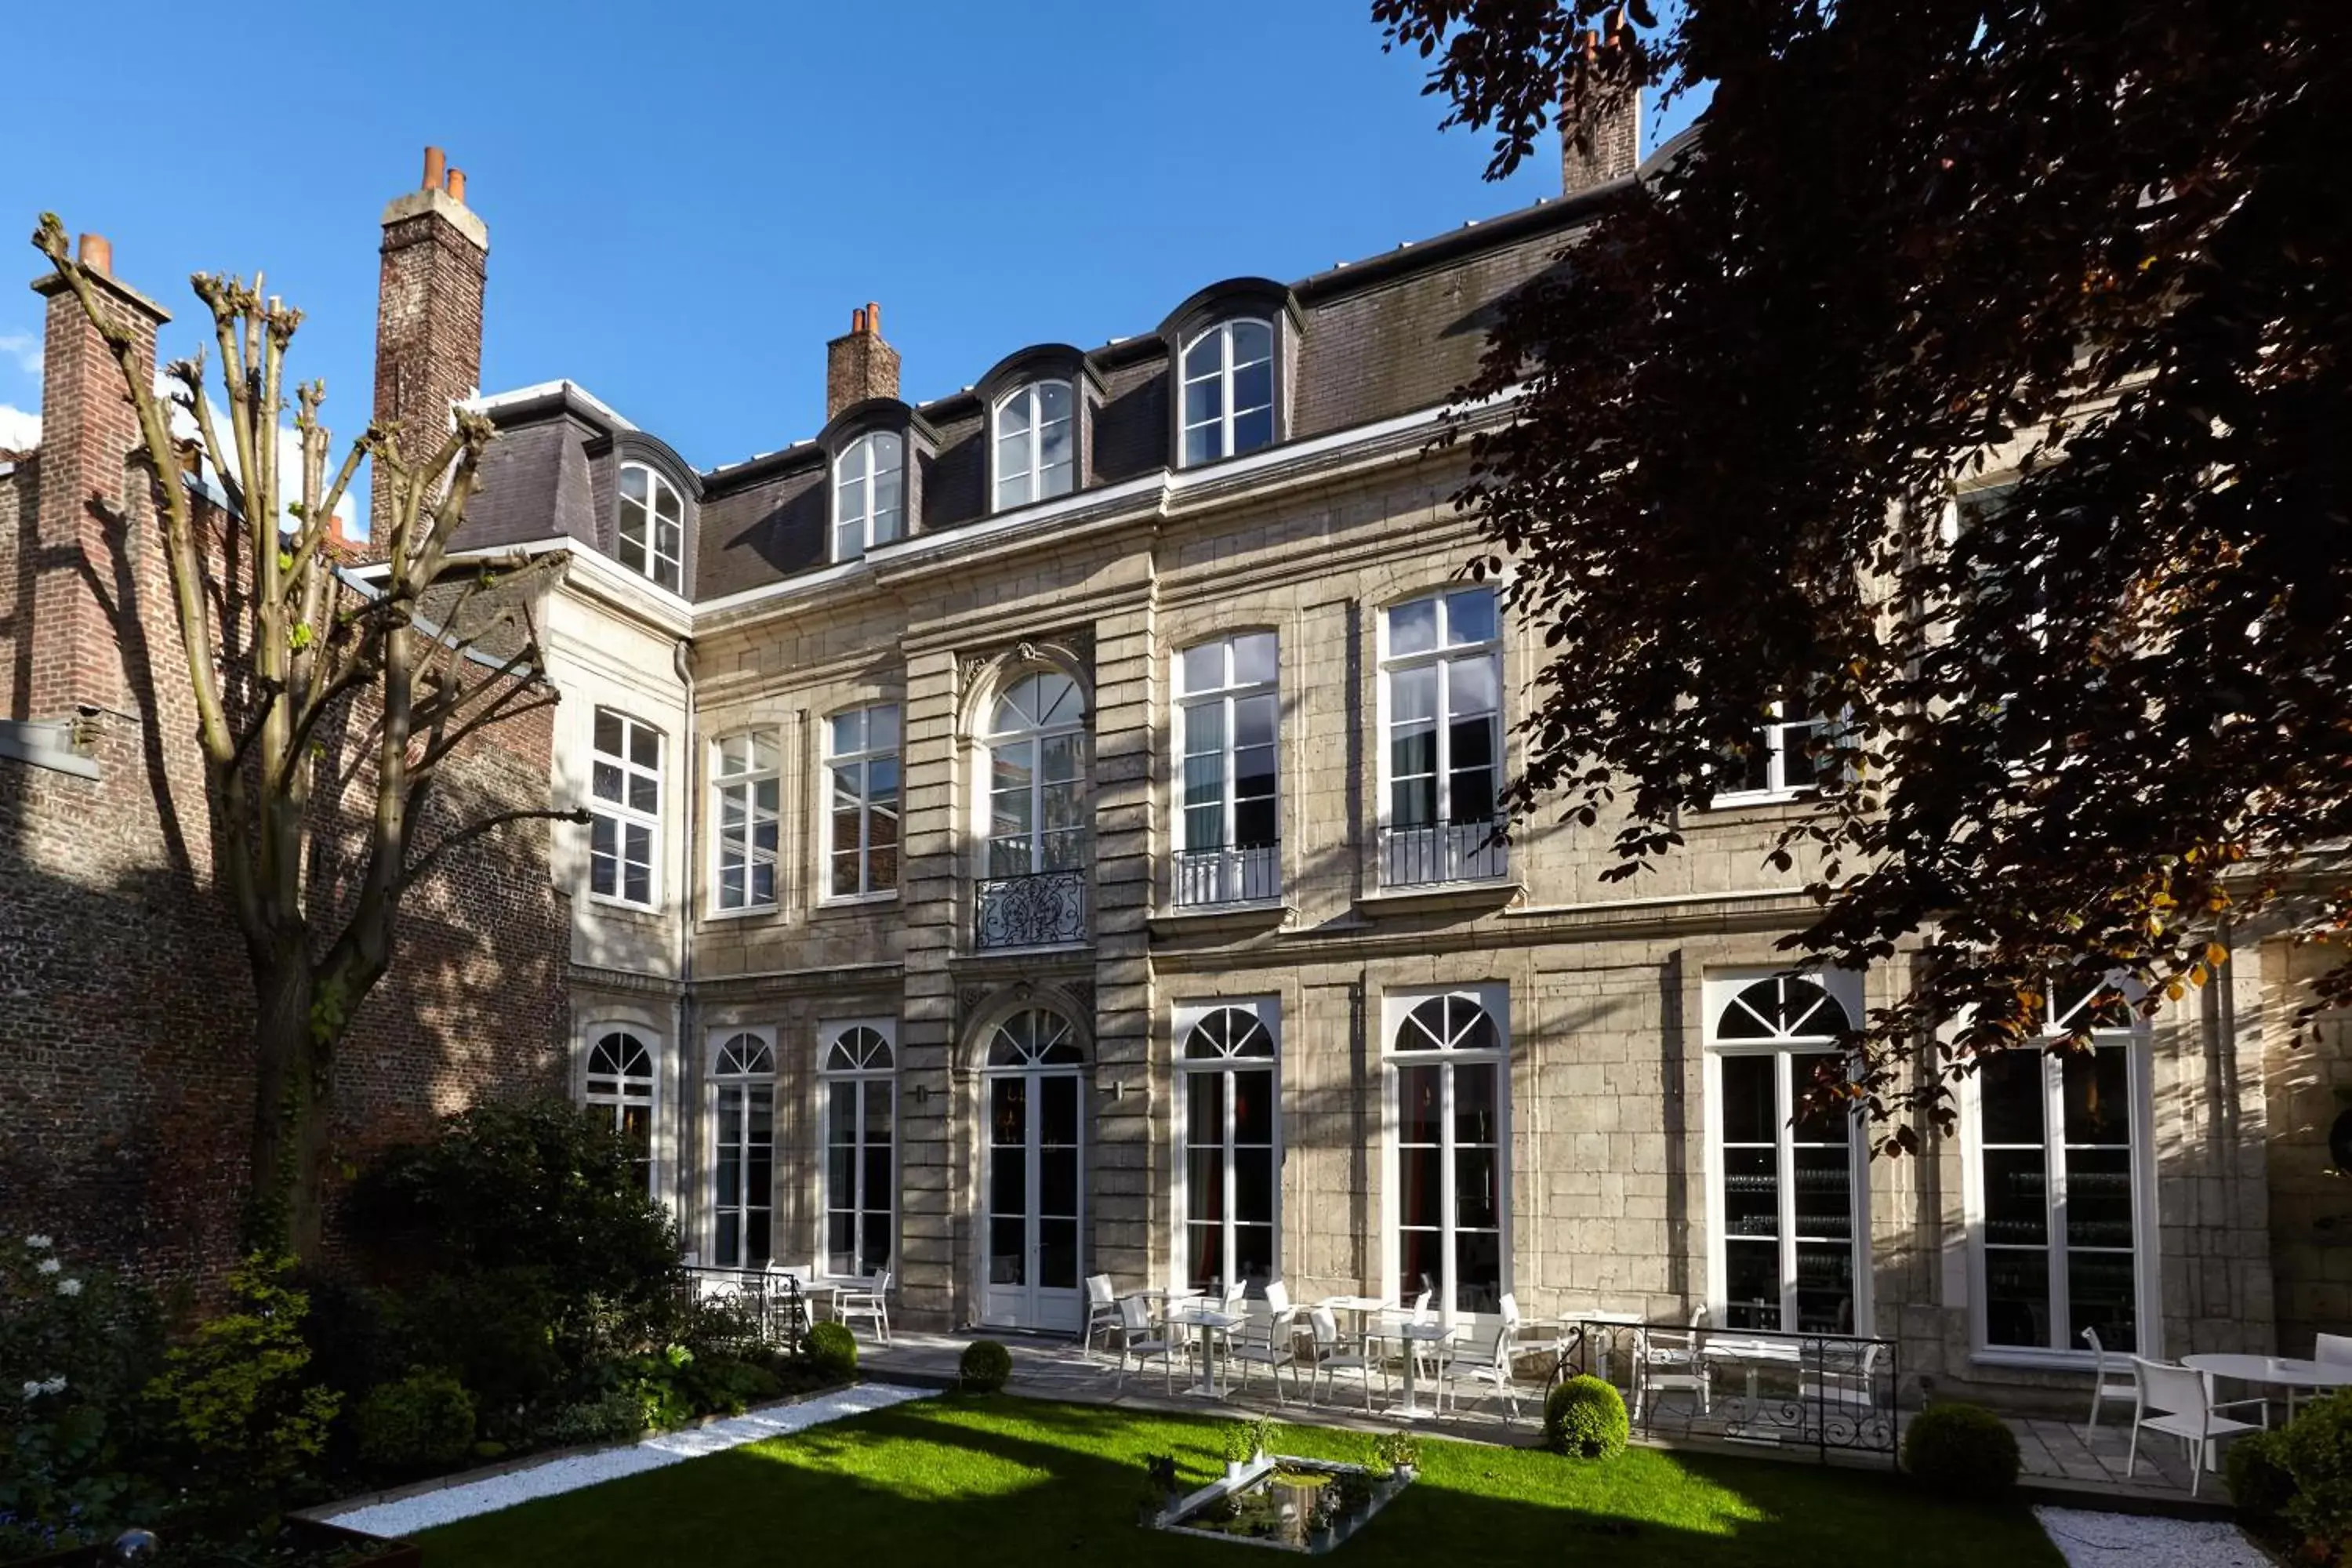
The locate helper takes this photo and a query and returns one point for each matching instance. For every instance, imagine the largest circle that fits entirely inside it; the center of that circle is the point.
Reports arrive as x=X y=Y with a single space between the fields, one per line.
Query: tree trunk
x=288 y=1111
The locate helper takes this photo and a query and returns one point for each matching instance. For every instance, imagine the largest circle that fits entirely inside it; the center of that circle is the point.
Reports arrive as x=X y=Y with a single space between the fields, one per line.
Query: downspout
x=689 y=891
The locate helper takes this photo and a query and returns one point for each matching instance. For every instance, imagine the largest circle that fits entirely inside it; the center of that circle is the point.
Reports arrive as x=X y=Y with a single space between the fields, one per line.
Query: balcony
x=1041 y=908
x=1223 y=874
x=1436 y=854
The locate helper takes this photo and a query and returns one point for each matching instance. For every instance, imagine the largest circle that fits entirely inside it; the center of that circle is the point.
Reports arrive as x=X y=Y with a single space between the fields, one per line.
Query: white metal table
x=2274 y=1372
x=1751 y=1356
x=1362 y=1307
x=1414 y=1335
x=1209 y=1322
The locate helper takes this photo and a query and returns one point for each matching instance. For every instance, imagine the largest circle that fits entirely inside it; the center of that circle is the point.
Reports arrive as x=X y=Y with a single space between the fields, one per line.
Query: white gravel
x=466 y=1498
x=2128 y=1540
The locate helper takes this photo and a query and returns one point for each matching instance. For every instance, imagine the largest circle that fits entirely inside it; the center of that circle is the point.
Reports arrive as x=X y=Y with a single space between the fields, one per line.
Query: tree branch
x=418 y=867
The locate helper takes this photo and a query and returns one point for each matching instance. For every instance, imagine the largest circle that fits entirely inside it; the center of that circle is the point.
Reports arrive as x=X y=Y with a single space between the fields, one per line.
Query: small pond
x=1292 y=1505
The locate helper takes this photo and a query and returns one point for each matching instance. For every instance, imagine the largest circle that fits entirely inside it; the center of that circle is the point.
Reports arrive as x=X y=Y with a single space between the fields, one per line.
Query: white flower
x=37 y=1243
x=32 y=1390
x=55 y=1386
x=50 y=1266
x=69 y=1287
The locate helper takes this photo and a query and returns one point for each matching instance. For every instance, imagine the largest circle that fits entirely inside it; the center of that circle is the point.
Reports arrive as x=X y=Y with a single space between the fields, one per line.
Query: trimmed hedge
x=833 y=1350
x=985 y=1366
x=1965 y=1449
x=1585 y=1417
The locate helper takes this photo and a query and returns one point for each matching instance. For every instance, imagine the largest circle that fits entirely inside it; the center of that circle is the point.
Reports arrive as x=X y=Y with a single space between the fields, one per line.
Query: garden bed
x=1287 y=1502
x=299 y=1543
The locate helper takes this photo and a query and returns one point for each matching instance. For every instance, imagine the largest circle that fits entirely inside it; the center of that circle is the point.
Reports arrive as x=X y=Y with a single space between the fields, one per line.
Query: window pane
x=1413 y=696
x=2010 y=1089
x=1252 y=340
x=2016 y=1198
x=2097 y=1096
x=1205 y=666
x=1253 y=1107
x=645 y=747
x=1419 y=1104
x=1413 y=628
x=1475 y=1105
x=1470 y=615
x=608 y=732
x=632 y=485
x=1750 y=1104
x=2100 y=1295
x=1751 y=1284
x=1253 y=658
x=1254 y=1184
x=1420 y=1189
x=2017 y=1297
x=1474 y=1189
x=1202 y=444
x=2098 y=1198
x=1470 y=686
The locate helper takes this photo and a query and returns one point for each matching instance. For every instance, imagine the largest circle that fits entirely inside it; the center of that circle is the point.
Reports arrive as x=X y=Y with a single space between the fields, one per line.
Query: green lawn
x=963 y=1483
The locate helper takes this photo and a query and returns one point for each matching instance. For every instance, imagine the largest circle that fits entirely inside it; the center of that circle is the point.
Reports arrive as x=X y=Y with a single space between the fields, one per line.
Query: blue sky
x=685 y=201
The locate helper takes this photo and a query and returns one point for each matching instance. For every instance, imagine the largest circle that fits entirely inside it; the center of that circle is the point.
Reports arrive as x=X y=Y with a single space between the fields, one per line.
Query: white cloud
x=25 y=350
x=19 y=431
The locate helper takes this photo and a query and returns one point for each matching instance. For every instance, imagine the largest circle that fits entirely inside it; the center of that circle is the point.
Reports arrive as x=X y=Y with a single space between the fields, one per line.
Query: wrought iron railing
x=1434 y=853
x=1227 y=874
x=1044 y=908
x=768 y=1306
x=1824 y=1391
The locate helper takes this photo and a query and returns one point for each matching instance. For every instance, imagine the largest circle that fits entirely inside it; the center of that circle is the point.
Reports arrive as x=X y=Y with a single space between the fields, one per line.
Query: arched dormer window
x=653 y=526
x=869 y=489
x=1228 y=391
x=1034 y=443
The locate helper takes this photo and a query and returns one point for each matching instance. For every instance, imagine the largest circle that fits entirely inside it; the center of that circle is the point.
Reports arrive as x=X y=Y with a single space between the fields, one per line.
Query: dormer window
x=653 y=526
x=1035 y=444
x=869 y=494
x=1228 y=407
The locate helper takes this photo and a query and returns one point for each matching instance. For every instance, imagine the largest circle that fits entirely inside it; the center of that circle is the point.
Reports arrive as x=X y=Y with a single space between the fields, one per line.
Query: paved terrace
x=2061 y=1465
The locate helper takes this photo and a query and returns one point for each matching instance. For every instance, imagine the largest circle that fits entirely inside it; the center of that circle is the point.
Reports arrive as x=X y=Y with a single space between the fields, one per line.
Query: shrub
x=833 y=1350
x=1237 y=1442
x=240 y=1392
x=2260 y=1482
x=606 y=1418
x=2317 y=1448
x=1967 y=1450
x=1585 y=1417
x=722 y=1385
x=422 y=1421
x=985 y=1367
x=496 y=1329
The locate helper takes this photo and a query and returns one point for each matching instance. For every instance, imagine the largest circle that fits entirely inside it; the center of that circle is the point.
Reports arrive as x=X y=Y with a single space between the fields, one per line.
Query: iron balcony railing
x=754 y=1308
x=1819 y=1391
x=1041 y=908
x=1227 y=874
x=1431 y=854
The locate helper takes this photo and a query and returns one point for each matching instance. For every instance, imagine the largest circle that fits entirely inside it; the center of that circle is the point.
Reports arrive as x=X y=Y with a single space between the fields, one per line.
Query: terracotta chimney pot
x=457 y=185
x=97 y=253
x=435 y=164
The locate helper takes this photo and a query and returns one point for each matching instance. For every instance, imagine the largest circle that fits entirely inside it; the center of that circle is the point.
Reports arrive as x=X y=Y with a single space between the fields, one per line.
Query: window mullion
x=2054 y=1154
x=1443 y=749
x=1784 y=1066
x=1449 y=1243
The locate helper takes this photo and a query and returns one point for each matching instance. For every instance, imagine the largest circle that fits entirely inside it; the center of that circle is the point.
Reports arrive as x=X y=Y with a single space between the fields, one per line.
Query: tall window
x=1228 y=392
x=653 y=526
x=743 y=778
x=861 y=1104
x=862 y=822
x=1440 y=671
x=1449 y=1063
x=1036 y=456
x=1037 y=794
x=2061 y=1144
x=619 y=1082
x=743 y=1152
x=1793 y=1237
x=1230 y=1143
x=624 y=817
x=1782 y=762
x=869 y=494
x=1227 y=845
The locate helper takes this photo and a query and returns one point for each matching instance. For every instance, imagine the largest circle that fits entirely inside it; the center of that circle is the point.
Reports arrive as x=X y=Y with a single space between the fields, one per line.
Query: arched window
x=859 y=1072
x=1230 y=1143
x=1034 y=1037
x=1794 y=1242
x=1449 y=1067
x=743 y=1152
x=653 y=526
x=1033 y=893
x=869 y=494
x=1036 y=447
x=619 y=1082
x=1228 y=391
x=1033 y=1173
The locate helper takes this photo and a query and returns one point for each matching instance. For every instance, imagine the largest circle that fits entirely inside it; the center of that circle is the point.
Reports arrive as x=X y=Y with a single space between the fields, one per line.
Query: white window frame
x=1719 y=993
x=1223 y=375
x=1782 y=741
x=1188 y=1016
x=758 y=1076
x=652 y=559
x=1495 y=999
x=830 y=1033
x=2138 y=1040
x=623 y=815
x=856 y=533
x=617 y=1091
x=1064 y=721
x=860 y=762
x=1482 y=861
x=741 y=788
x=1033 y=470
x=1229 y=878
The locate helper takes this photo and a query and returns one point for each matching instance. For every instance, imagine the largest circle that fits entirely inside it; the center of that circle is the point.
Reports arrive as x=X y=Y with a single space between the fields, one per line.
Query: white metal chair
x=2335 y=1350
x=2105 y=1386
x=1332 y=1357
x=1416 y=1313
x=1102 y=1311
x=1139 y=1341
x=869 y=1300
x=1491 y=1368
x=2183 y=1407
x=1667 y=1361
x=1264 y=1339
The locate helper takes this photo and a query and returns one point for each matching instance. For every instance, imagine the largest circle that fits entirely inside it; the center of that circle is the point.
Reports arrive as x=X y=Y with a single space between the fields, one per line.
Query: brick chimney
x=428 y=313
x=92 y=480
x=1600 y=123
x=860 y=364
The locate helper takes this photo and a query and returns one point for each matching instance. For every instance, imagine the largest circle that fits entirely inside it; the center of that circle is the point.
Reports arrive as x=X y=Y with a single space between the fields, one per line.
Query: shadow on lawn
x=978 y=1482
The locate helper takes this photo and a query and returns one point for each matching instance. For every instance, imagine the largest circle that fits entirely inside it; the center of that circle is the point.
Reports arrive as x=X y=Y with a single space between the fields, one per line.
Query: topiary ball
x=985 y=1366
x=1586 y=1416
x=1964 y=1449
x=833 y=1350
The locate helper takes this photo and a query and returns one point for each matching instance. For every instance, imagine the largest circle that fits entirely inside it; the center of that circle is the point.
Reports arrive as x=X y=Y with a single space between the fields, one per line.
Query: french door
x=1035 y=1162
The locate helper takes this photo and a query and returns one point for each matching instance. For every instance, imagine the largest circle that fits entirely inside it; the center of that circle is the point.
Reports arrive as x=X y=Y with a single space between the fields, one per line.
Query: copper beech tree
x=327 y=708
x=1978 y=381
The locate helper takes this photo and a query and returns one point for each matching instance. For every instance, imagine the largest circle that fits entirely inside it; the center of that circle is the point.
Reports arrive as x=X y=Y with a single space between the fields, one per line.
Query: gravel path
x=408 y=1515
x=2125 y=1541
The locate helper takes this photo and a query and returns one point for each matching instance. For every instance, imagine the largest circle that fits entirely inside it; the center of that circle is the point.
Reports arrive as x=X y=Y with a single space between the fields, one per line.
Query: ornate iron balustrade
x=1823 y=1392
x=1243 y=874
x=1044 y=908
x=774 y=1308
x=1435 y=853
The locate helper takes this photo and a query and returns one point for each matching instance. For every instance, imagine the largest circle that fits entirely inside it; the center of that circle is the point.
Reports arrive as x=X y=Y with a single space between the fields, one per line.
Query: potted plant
x=1398 y=1453
x=1240 y=1442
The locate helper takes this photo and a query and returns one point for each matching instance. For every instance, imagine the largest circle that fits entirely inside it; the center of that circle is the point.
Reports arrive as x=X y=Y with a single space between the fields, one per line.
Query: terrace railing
x=1043 y=909
x=1829 y=1392
x=1227 y=874
x=770 y=1304
x=1432 y=853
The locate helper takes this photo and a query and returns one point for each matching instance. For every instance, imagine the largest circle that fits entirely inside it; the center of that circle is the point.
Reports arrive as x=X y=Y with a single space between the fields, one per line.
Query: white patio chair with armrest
x=1332 y=1357
x=1667 y=1361
x=1102 y=1311
x=2117 y=1385
x=869 y=1300
x=1140 y=1341
x=1263 y=1339
x=2335 y=1350
x=1490 y=1366
x=2183 y=1407
x=1525 y=1346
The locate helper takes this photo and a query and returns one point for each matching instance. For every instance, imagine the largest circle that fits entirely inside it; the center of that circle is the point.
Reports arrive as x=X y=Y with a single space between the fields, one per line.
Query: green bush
x=420 y=1421
x=985 y=1367
x=1585 y=1417
x=608 y=1417
x=2318 y=1449
x=2260 y=1482
x=833 y=1350
x=721 y=1385
x=1965 y=1449
x=240 y=1391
